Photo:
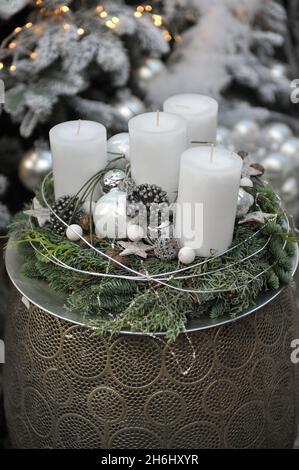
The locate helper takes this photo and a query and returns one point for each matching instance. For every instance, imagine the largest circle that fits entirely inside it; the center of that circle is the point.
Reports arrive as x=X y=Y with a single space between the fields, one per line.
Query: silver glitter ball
x=290 y=149
x=246 y=135
x=34 y=166
x=112 y=179
x=245 y=201
x=166 y=248
x=275 y=134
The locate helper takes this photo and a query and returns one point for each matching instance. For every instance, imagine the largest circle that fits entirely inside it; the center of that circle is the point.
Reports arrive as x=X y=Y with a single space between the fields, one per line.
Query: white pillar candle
x=200 y=112
x=157 y=141
x=207 y=199
x=79 y=151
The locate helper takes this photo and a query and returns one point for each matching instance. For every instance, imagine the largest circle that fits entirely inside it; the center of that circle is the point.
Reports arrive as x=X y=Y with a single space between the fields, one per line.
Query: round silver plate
x=39 y=294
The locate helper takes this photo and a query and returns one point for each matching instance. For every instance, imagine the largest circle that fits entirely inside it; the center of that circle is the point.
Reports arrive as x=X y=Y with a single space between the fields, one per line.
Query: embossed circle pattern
x=57 y=386
x=107 y=405
x=134 y=438
x=198 y=435
x=190 y=361
x=84 y=355
x=44 y=333
x=279 y=404
x=235 y=344
x=76 y=432
x=135 y=362
x=220 y=397
x=269 y=325
x=246 y=426
x=165 y=408
x=263 y=375
x=38 y=412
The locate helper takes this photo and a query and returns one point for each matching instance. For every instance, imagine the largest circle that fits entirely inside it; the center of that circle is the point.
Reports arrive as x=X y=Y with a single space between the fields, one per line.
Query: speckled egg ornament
x=166 y=249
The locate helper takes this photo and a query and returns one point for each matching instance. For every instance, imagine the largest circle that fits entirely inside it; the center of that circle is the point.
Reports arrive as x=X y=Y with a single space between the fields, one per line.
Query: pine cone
x=64 y=207
x=147 y=194
x=148 y=201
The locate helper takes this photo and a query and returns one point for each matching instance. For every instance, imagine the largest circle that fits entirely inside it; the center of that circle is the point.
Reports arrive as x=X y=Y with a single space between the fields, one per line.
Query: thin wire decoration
x=165 y=278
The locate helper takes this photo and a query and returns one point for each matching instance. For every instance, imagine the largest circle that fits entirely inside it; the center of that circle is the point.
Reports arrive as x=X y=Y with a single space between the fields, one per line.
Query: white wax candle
x=79 y=151
x=207 y=199
x=157 y=141
x=200 y=112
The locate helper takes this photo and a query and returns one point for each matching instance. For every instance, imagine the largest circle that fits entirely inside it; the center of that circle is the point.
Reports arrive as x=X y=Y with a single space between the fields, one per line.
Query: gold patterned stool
x=229 y=385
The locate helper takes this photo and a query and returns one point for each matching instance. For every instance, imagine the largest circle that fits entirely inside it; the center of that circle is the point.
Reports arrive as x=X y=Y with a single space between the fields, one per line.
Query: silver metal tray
x=39 y=294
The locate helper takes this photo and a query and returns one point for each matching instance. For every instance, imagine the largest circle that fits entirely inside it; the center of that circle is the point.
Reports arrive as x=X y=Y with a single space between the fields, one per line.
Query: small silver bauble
x=129 y=106
x=290 y=189
x=246 y=135
x=223 y=135
x=245 y=201
x=34 y=166
x=112 y=179
x=117 y=146
x=290 y=148
x=150 y=69
x=275 y=134
x=74 y=232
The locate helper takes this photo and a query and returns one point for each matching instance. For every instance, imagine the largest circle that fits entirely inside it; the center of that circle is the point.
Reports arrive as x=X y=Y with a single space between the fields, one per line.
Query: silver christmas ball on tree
x=276 y=165
x=278 y=71
x=245 y=201
x=275 y=134
x=150 y=69
x=290 y=148
x=128 y=106
x=166 y=249
x=35 y=165
x=112 y=179
x=290 y=189
x=246 y=135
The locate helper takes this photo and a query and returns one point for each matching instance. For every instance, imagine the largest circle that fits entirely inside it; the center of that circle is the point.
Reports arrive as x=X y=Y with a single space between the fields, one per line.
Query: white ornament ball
x=135 y=233
x=119 y=145
x=246 y=135
x=128 y=106
x=290 y=190
x=290 y=149
x=186 y=255
x=246 y=183
x=87 y=209
x=110 y=217
x=278 y=71
x=276 y=134
x=74 y=232
x=150 y=69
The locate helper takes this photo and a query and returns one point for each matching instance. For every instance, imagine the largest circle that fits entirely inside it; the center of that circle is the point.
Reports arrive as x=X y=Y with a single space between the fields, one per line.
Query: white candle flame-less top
x=79 y=151
x=200 y=112
x=207 y=199
x=157 y=141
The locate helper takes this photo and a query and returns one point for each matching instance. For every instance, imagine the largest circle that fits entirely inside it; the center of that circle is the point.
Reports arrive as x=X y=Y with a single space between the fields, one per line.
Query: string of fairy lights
x=64 y=14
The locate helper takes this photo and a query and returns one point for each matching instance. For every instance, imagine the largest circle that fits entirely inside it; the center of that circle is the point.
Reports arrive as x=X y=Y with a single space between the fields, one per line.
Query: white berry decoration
x=186 y=255
x=74 y=232
x=135 y=232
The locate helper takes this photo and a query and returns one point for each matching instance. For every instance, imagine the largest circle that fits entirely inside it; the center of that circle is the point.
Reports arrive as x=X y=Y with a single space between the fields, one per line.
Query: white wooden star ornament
x=135 y=248
x=42 y=214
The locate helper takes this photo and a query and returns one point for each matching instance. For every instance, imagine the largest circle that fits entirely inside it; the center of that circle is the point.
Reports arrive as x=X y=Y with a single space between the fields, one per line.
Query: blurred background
x=108 y=61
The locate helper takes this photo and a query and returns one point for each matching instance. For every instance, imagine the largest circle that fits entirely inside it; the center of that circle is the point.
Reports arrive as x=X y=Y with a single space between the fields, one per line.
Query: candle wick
x=212 y=152
x=79 y=126
x=158 y=118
